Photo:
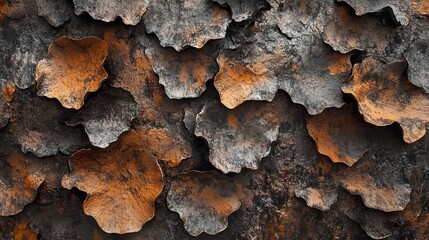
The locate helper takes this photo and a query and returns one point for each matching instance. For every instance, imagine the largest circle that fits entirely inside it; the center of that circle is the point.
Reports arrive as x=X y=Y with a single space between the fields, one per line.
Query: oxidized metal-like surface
x=374 y=84
x=20 y=178
x=122 y=183
x=340 y=134
x=183 y=74
x=214 y=119
x=72 y=69
x=6 y=95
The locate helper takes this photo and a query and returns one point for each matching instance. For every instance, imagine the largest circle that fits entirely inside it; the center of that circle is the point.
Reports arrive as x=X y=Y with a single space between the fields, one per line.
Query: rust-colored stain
x=23 y=231
x=4 y=7
x=19 y=181
x=346 y=32
x=72 y=69
x=122 y=183
x=386 y=197
x=421 y=6
x=340 y=134
x=385 y=96
x=161 y=119
x=6 y=95
x=244 y=119
x=340 y=64
x=237 y=83
x=164 y=145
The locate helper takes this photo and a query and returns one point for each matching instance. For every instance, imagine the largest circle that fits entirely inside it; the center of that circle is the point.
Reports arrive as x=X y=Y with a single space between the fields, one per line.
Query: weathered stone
x=340 y=134
x=243 y=9
x=374 y=84
x=108 y=10
x=192 y=23
x=241 y=137
x=159 y=120
x=56 y=12
x=401 y=9
x=106 y=116
x=20 y=178
x=204 y=200
x=418 y=64
x=183 y=74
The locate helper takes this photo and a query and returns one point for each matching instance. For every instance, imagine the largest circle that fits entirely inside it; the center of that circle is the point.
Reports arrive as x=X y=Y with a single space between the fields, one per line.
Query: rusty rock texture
x=417 y=56
x=105 y=122
x=107 y=10
x=179 y=24
x=214 y=119
x=204 y=200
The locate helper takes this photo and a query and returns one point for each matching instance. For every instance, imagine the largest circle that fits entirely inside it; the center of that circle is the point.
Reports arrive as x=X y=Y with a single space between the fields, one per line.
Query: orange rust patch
x=421 y=6
x=340 y=134
x=346 y=32
x=22 y=231
x=72 y=69
x=122 y=182
x=4 y=7
x=159 y=117
x=340 y=63
x=374 y=85
x=232 y=120
x=236 y=83
x=163 y=144
x=24 y=179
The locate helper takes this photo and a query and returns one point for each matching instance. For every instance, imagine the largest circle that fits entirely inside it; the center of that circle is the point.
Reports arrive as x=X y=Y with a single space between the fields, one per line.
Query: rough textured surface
x=387 y=198
x=72 y=69
x=340 y=134
x=19 y=181
x=256 y=70
x=106 y=116
x=374 y=83
x=42 y=138
x=321 y=199
x=243 y=9
x=183 y=74
x=401 y=9
x=241 y=137
x=345 y=32
x=56 y=12
x=107 y=10
x=305 y=47
x=6 y=95
x=122 y=183
x=418 y=61
x=159 y=120
x=192 y=23
x=204 y=200
x=420 y=6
